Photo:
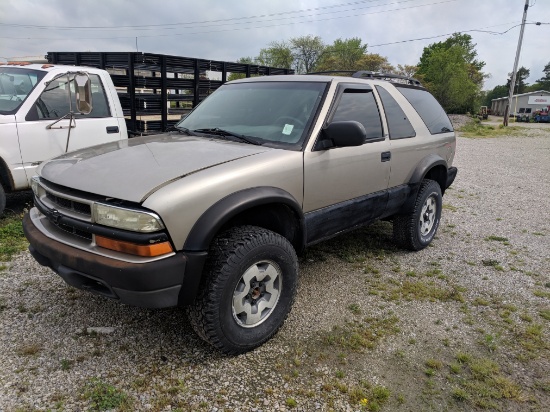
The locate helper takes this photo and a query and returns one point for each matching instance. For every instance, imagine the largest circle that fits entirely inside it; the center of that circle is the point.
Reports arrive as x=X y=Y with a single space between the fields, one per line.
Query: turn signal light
x=155 y=249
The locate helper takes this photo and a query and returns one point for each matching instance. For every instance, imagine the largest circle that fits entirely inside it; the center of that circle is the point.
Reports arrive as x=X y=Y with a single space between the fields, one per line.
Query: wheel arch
x=5 y=176
x=432 y=167
x=268 y=207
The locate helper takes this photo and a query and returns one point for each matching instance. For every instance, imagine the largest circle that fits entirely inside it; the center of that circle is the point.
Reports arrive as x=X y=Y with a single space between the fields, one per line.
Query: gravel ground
x=60 y=347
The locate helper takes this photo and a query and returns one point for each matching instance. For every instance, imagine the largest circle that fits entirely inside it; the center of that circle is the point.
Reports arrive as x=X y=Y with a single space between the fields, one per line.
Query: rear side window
x=398 y=124
x=428 y=108
x=359 y=105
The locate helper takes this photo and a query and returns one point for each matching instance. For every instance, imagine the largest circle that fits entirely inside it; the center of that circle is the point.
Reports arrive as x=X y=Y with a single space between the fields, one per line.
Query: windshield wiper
x=226 y=133
x=183 y=130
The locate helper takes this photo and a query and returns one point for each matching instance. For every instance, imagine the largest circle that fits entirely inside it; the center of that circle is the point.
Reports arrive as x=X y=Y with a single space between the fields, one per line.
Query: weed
x=450 y=207
x=104 y=396
x=66 y=364
x=29 y=349
x=12 y=238
x=493 y=263
x=481 y=302
x=355 y=309
x=434 y=364
x=477 y=129
x=455 y=367
x=545 y=314
x=496 y=238
x=483 y=384
x=360 y=334
x=541 y=294
x=339 y=374
x=291 y=403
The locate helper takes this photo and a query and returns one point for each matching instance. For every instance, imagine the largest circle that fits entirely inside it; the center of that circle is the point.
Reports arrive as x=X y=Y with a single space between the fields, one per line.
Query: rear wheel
x=249 y=288
x=416 y=230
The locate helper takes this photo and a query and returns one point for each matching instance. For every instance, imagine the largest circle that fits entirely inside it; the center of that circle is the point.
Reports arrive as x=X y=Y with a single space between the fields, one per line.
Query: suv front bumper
x=155 y=284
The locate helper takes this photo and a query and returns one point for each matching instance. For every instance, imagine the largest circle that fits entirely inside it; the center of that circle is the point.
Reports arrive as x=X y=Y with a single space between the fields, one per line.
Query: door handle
x=385 y=156
x=112 y=129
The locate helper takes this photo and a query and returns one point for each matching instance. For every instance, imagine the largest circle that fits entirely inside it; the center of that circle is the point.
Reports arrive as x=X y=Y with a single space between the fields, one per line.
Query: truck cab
x=39 y=118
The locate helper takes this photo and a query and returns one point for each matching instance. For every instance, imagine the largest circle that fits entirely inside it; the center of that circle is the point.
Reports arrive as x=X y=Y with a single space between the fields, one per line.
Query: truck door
x=38 y=142
x=347 y=186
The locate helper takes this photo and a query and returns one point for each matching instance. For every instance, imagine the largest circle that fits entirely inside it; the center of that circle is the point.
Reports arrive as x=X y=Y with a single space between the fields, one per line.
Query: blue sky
x=227 y=30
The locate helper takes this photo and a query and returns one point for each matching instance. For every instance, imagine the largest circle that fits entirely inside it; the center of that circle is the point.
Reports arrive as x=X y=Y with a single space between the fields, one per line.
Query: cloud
x=219 y=30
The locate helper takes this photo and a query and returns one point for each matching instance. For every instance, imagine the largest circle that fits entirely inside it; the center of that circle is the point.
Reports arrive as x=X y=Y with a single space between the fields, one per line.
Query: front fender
x=213 y=219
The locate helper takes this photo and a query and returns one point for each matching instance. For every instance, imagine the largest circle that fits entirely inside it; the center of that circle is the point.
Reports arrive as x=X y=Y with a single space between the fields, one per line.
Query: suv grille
x=71 y=205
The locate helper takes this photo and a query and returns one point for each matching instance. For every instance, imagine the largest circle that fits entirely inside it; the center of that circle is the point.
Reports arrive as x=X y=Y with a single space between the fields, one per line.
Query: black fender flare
x=424 y=167
x=419 y=173
x=213 y=219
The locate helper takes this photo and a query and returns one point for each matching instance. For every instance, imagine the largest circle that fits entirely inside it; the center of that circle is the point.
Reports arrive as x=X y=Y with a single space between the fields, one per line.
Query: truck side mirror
x=342 y=134
x=83 y=93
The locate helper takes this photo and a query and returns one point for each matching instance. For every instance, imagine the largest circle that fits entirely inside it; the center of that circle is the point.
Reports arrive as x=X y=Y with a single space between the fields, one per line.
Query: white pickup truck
x=40 y=117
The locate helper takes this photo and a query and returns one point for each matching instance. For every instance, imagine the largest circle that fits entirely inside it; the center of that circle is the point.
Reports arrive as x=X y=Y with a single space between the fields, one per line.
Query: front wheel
x=250 y=284
x=416 y=230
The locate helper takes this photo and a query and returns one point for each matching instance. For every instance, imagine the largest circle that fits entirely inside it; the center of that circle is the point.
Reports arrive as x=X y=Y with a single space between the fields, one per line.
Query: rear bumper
x=155 y=284
x=451 y=175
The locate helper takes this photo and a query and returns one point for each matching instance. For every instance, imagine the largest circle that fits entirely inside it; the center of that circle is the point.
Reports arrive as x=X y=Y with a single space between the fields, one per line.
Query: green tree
x=406 y=70
x=235 y=76
x=521 y=77
x=376 y=63
x=544 y=82
x=497 y=92
x=278 y=54
x=342 y=55
x=452 y=72
x=306 y=52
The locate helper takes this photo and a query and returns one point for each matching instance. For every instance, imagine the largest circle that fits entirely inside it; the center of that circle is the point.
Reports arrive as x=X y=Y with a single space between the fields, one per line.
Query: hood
x=135 y=168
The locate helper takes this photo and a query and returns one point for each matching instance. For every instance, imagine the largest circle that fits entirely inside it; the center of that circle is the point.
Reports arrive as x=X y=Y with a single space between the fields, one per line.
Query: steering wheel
x=290 y=120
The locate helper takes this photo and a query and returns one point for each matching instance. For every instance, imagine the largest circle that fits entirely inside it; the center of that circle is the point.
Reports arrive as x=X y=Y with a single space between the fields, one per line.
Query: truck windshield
x=15 y=85
x=276 y=114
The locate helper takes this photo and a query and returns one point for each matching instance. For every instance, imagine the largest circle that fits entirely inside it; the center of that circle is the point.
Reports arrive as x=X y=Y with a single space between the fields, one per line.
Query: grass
x=104 y=396
x=12 y=239
x=480 y=382
x=358 y=335
x=477 y=129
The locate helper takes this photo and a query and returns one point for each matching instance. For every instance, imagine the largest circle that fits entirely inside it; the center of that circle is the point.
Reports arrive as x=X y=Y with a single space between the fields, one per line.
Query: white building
x=529 y=102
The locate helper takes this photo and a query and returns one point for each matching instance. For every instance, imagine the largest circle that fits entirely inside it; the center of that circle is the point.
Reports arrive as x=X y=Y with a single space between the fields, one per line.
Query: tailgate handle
x=112 y=129
x=385 y=156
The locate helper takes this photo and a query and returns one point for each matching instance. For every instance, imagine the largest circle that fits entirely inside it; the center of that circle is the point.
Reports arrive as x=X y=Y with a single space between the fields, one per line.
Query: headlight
x=35 y=186
x=127 y=219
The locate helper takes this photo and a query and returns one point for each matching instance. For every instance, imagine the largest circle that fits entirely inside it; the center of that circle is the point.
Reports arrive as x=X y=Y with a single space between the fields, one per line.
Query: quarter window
x=398 y=124
x=428 y=108
x=359 y=105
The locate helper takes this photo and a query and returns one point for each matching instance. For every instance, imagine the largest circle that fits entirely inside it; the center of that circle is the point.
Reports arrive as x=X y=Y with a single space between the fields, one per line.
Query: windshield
x=15 y=85
x=276 y=114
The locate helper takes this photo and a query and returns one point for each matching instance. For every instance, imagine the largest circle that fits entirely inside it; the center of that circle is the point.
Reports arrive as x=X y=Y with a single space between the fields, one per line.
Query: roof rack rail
x=374 y=75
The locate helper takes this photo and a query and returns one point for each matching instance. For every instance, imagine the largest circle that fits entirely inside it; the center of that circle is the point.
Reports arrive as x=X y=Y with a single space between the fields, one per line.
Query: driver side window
x=359 y=105
x=53 y=103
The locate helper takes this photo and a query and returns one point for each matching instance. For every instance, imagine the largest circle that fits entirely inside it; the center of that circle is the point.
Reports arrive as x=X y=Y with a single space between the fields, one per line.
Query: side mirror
x=343 y=134
x=83 y=93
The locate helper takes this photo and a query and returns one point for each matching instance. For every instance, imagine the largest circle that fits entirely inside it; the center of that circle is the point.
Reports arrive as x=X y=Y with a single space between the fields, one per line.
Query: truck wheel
x=416 y=230
x=248 y=289
x=2 y=200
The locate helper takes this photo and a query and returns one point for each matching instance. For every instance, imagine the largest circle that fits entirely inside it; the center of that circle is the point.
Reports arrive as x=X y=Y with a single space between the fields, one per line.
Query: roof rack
x=375 y=75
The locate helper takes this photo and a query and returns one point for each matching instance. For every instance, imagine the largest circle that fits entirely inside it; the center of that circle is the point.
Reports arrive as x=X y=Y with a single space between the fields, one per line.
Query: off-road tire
x=407 y=229
x=213 y=315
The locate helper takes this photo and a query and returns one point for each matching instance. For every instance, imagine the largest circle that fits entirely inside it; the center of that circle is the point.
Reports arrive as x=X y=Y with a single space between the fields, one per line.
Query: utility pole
x=518 y=51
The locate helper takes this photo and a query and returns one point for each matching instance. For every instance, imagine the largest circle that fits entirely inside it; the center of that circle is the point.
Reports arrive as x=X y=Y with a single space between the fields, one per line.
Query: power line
x=232 y=29
x=140 y=26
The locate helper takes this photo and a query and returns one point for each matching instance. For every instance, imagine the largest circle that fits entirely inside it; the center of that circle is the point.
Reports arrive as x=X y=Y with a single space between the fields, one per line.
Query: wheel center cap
x=255 y=293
